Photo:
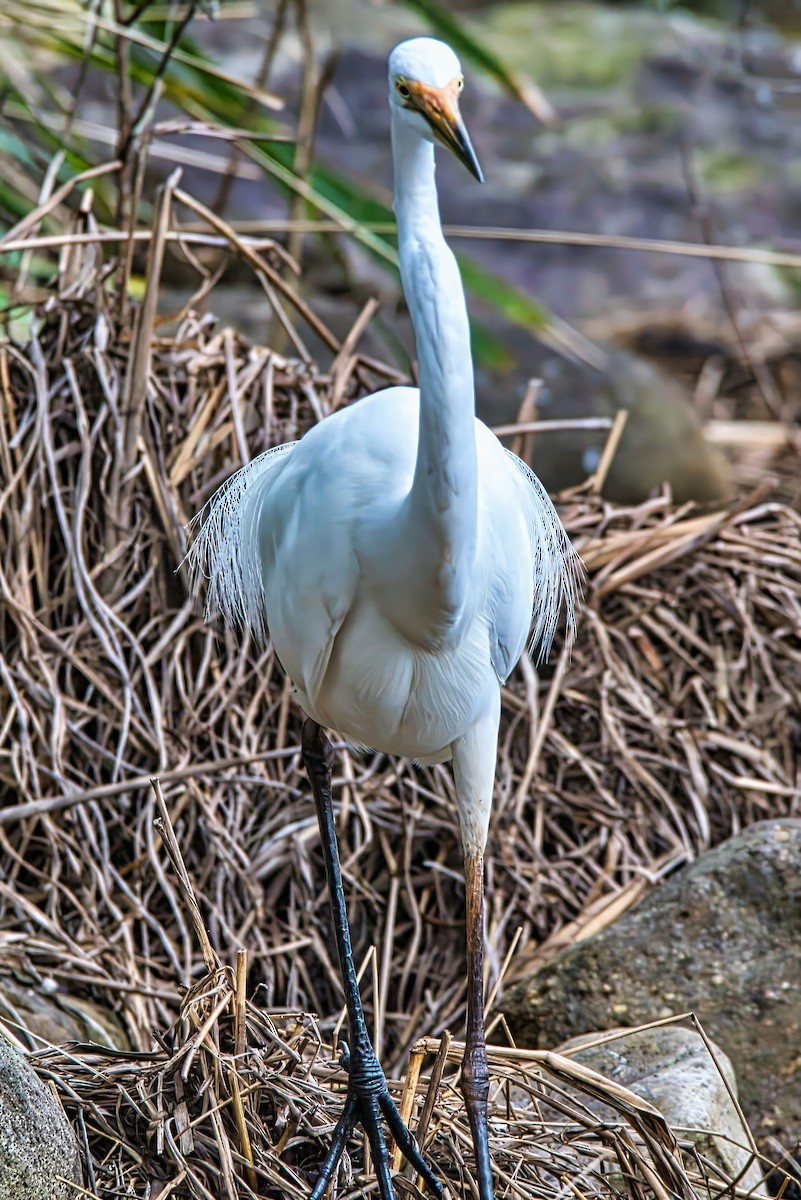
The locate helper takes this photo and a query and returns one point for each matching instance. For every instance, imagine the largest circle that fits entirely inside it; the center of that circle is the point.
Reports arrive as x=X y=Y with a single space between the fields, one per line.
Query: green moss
x=791 y=280
x=572 y=45
x=723 y=171
x=598 y=128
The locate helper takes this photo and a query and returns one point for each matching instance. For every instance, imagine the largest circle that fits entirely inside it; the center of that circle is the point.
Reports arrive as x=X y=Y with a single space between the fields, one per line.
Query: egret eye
x=403 y=91
x=460 y=85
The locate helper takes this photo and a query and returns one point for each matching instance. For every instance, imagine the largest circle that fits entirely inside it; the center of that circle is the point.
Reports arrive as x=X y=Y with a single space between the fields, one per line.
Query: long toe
x=407 y=1144
x=368 y=1098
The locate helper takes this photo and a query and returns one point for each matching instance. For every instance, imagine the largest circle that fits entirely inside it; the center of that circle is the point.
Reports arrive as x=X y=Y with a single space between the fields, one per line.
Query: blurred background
x=652 y=121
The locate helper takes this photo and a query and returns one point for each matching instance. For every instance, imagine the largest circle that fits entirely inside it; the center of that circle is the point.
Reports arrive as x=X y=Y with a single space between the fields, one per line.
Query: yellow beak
x=440 y=107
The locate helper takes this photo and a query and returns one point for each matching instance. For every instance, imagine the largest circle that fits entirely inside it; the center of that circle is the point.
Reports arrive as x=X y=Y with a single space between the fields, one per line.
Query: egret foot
x=368 y=1096
x=475 y=1089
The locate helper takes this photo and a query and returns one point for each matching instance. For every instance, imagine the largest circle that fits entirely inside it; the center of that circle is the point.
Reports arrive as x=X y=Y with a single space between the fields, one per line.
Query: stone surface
x=634 y=89
x=673 y=1069
x=643 y=98
x=721 y=938
x=38 y=1151
x=49 y=1014
x=662 y=442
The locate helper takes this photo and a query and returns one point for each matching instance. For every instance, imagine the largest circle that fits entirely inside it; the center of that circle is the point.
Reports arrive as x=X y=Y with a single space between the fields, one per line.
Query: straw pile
x=673 y=723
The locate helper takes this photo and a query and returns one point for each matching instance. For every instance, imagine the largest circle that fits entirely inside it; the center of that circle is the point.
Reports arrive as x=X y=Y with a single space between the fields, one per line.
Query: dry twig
x=673 y=723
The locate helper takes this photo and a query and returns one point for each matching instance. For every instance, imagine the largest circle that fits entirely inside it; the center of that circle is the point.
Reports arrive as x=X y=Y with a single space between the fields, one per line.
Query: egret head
x=425 y=80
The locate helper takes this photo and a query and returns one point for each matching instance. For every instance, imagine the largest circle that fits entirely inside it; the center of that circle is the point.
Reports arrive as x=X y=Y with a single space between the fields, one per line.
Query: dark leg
x=475 y=1072
x=367 y=1088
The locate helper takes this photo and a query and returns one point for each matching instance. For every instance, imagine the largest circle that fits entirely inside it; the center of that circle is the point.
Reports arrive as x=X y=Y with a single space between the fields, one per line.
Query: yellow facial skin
x=440 y=107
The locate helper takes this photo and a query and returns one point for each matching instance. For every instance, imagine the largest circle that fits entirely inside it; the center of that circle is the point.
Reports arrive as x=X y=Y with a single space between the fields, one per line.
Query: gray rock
x=38 y=1009
x=663 y=441
x=673 y=1069
x=38 y=1152
x=721 y=938
x=631 y=87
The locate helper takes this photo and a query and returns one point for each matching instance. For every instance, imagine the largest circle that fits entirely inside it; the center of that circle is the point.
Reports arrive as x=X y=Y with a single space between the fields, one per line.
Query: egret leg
x=368 y=1094
x=475 y=1071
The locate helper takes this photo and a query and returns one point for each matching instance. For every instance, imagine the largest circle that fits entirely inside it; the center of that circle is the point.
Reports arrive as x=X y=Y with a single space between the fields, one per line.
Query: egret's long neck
x=443 y=501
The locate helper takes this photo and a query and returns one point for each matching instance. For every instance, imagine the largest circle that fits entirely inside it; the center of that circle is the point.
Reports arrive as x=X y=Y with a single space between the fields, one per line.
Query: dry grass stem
x=672 y=723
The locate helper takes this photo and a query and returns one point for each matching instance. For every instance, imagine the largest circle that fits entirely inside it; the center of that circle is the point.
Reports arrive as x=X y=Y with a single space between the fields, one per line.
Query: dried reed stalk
x=673 y=723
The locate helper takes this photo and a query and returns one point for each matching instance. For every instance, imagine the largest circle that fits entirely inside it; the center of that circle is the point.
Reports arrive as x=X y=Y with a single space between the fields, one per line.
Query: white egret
x=398 y=555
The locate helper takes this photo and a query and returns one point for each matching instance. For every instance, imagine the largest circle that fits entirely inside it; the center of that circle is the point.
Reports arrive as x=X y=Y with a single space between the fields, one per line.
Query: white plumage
x=292 y=544
x=399 y=557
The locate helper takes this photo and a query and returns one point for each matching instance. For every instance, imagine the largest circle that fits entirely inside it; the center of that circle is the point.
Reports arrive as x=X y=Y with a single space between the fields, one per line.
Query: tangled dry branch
x=673 y=723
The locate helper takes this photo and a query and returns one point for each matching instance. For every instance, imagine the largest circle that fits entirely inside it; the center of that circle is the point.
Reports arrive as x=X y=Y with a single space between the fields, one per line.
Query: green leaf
x=504 y=297
x=15 y=148
x=473 y=49
x=192 y=83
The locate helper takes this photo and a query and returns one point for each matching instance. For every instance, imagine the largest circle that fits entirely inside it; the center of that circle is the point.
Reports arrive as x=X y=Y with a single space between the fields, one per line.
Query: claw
x=368 y=1097
x=342 y=1131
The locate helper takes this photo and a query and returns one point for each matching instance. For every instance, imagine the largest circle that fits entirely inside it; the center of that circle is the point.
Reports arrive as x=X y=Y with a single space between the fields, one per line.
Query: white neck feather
x=444 y=493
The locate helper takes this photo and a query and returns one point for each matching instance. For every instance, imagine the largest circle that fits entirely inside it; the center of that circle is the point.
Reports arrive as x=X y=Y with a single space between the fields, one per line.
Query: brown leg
x=475 y=1072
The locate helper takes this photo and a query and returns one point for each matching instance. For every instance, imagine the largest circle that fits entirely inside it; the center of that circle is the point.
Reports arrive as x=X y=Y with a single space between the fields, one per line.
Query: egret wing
x=224 y=552
x=533 y=571
x=558 y=570
x=310 y=571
